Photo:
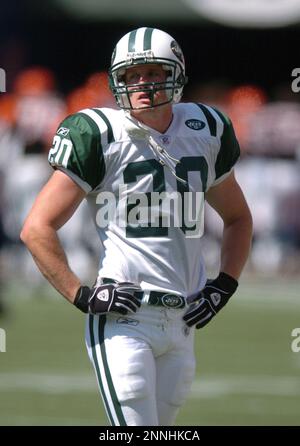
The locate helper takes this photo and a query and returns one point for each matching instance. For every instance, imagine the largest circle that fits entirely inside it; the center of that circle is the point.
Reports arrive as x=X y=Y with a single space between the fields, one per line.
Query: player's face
x=138 y=76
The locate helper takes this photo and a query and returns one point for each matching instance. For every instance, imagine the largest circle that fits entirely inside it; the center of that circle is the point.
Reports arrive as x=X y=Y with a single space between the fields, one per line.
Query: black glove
x=210 y=300
x=113 y=297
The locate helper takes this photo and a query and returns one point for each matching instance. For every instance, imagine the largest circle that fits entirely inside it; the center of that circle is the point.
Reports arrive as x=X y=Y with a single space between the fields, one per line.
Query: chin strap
x=136 y=129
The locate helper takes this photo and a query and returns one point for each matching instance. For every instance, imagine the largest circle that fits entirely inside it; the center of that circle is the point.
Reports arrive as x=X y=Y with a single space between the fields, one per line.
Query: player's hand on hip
x=210 y=300
x=112 y=297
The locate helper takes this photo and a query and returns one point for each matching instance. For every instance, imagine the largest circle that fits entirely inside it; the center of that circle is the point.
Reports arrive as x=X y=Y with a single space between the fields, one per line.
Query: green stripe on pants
x=116 y=403
x=93 y=347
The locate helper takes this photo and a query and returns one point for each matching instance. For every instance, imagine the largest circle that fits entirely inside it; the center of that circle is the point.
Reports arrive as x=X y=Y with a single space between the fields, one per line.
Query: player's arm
x=54 y=206
x=228 y=200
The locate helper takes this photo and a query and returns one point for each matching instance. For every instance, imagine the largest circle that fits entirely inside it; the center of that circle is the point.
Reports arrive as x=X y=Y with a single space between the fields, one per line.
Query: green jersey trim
x=211 y=120
x=229 y=149
x=110 y=134
x=222 y=116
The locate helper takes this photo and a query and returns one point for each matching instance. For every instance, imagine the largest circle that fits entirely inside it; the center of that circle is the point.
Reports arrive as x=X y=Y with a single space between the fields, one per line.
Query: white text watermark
x=2 y=340
x=137 y=210
x=2 y=81
x=295 y=344
x=295 y=85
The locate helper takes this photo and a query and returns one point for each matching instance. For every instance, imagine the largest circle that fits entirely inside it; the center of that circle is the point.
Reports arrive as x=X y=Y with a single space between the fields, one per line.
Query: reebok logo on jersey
x=63 y=131
x=127 y=321
x=103 y=295
x=195 y=124
x=216 y=298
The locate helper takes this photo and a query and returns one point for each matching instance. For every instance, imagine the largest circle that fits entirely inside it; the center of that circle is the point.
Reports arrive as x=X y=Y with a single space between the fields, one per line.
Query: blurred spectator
x=8 y=103
x=288 y=228
x=39 y=108
x=214 y=93
x=3 y=240
x=94 y=93
x=265 y=181
x=242 y=103
x=274 y=130
x=28 y=114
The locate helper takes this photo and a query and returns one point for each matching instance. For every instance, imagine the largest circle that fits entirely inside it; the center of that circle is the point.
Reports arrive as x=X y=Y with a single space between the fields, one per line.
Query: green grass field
x=247 y=373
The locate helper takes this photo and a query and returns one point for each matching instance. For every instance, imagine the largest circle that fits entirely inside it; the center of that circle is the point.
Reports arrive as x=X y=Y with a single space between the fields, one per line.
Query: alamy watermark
x=2 y=81
x=295 y=344
x=136 y=210
x=295 y=85
x=2 y=340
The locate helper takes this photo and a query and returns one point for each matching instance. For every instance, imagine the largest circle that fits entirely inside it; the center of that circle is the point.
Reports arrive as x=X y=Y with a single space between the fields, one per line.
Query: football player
x=143 y=168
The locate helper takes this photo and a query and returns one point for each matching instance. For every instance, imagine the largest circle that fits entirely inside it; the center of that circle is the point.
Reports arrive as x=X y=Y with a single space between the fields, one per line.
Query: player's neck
x=158 y=118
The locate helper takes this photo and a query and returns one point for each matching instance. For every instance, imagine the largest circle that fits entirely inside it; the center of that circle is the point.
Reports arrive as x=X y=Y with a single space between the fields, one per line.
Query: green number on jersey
x=154 y=168
x=131 y=172
x=190 y=164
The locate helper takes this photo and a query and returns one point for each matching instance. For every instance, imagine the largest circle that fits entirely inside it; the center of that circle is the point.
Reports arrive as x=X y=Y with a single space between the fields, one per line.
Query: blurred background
x=239 y=57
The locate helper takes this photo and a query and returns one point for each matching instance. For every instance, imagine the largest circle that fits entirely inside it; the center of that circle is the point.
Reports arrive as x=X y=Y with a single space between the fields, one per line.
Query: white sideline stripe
x=275 y=304
x=206 y=387
x=245 y=385
x=46 y=383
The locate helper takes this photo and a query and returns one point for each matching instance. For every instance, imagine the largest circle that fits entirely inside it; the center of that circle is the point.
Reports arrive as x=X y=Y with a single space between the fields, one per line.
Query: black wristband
x=81 y=299
x=227 y=282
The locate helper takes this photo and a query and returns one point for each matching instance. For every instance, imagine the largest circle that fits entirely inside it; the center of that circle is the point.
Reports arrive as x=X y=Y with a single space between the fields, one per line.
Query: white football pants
x=144 y=364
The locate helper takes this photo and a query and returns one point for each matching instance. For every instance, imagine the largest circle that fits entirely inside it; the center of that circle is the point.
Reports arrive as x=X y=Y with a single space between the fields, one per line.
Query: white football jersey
x=143 y=187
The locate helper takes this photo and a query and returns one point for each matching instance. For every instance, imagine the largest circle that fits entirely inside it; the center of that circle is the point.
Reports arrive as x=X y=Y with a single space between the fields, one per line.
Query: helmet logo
x=177 y=51
x=195 y=124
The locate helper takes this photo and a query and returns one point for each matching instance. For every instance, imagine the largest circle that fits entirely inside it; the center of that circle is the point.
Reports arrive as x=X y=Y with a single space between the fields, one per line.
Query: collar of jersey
x=171 y=132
